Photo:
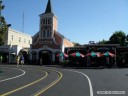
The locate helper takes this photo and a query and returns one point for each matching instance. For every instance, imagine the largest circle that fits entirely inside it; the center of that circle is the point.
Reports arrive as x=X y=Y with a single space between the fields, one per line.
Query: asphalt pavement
x=59 y=81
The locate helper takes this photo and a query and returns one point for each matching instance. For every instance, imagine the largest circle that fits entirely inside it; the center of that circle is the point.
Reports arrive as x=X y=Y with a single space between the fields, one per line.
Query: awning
x=77 y=54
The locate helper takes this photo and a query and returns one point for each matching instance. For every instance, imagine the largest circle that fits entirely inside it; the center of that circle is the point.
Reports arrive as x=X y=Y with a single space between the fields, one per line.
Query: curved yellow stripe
x=46 y=74
x=51 y=84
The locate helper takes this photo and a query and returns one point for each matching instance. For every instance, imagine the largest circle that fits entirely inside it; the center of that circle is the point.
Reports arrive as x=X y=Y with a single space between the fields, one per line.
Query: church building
x=48 y=42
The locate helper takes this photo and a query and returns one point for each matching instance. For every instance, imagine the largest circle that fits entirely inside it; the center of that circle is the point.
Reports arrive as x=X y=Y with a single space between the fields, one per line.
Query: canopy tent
x=93 y=54
x=108 y=54
x=62 y=55
x=77 y=54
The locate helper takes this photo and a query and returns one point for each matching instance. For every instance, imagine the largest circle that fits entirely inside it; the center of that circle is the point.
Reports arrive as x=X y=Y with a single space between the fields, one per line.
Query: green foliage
x=3 y=29
x=103 y=42
x=127 y=38
x=118 y=38
x=76 y=44
x=3 y=25
x=1 y=39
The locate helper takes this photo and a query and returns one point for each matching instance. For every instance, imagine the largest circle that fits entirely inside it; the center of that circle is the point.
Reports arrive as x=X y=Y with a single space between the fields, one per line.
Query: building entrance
x=25 y=54
x=5 y=57
x=45 y=57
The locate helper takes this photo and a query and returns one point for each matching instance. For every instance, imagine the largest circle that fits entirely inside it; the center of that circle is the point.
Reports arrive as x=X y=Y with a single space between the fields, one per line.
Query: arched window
x=43 y=21
x=48 y=33
x=44 y=34
x=49 y=21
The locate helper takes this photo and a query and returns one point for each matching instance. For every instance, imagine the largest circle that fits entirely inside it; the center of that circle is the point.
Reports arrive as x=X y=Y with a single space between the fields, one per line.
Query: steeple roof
x=49 y=7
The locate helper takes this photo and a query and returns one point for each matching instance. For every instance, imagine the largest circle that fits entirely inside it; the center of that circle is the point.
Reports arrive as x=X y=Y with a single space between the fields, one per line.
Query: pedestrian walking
x=22 y=60
x=107 y=62
x=123 y=62
x=7 y=58
x=1 y=59
x=17 y=60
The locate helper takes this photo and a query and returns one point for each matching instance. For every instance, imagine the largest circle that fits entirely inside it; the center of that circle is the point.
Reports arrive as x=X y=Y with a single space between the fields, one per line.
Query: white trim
x=53 y=39
x=19 y=32
x=37 y=38
x=14 y=76
x=45 y=48
x=89 y=81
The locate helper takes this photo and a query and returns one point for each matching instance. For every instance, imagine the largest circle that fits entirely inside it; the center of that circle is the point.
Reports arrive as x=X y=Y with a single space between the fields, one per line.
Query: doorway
x=5 y=57
x=45 y=57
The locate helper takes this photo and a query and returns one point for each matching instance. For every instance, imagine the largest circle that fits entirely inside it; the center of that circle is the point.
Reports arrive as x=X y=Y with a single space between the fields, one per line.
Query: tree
x=3 y=25
x=127 y=38
x=118 y=37
x=76 y=44
x=3 y=29
x=103 y=42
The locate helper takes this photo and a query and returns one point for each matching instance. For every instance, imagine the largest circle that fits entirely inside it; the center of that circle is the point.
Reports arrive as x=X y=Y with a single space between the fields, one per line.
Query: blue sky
x=78 y=20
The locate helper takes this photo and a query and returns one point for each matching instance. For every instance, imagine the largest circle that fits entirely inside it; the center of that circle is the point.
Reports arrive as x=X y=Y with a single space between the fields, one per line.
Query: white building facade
x=15 y=43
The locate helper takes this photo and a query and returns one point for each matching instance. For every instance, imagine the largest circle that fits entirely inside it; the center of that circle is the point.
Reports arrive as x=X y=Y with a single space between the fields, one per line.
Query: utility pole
x=23 y=23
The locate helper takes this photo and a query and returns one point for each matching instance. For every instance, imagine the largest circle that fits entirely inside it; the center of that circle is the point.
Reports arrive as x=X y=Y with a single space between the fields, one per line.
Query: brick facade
x=48 y=42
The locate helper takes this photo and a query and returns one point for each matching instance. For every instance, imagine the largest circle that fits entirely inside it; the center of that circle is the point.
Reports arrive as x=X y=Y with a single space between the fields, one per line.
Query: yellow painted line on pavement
x=51 y=84
x=8 y=93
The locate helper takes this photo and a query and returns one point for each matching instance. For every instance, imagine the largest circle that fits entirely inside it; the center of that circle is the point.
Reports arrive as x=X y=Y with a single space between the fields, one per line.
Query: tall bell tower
x=48 y=23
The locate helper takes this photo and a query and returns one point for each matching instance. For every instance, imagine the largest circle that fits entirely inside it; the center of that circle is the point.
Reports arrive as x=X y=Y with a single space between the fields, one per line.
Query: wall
x=67 y=43
x=14 y=38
